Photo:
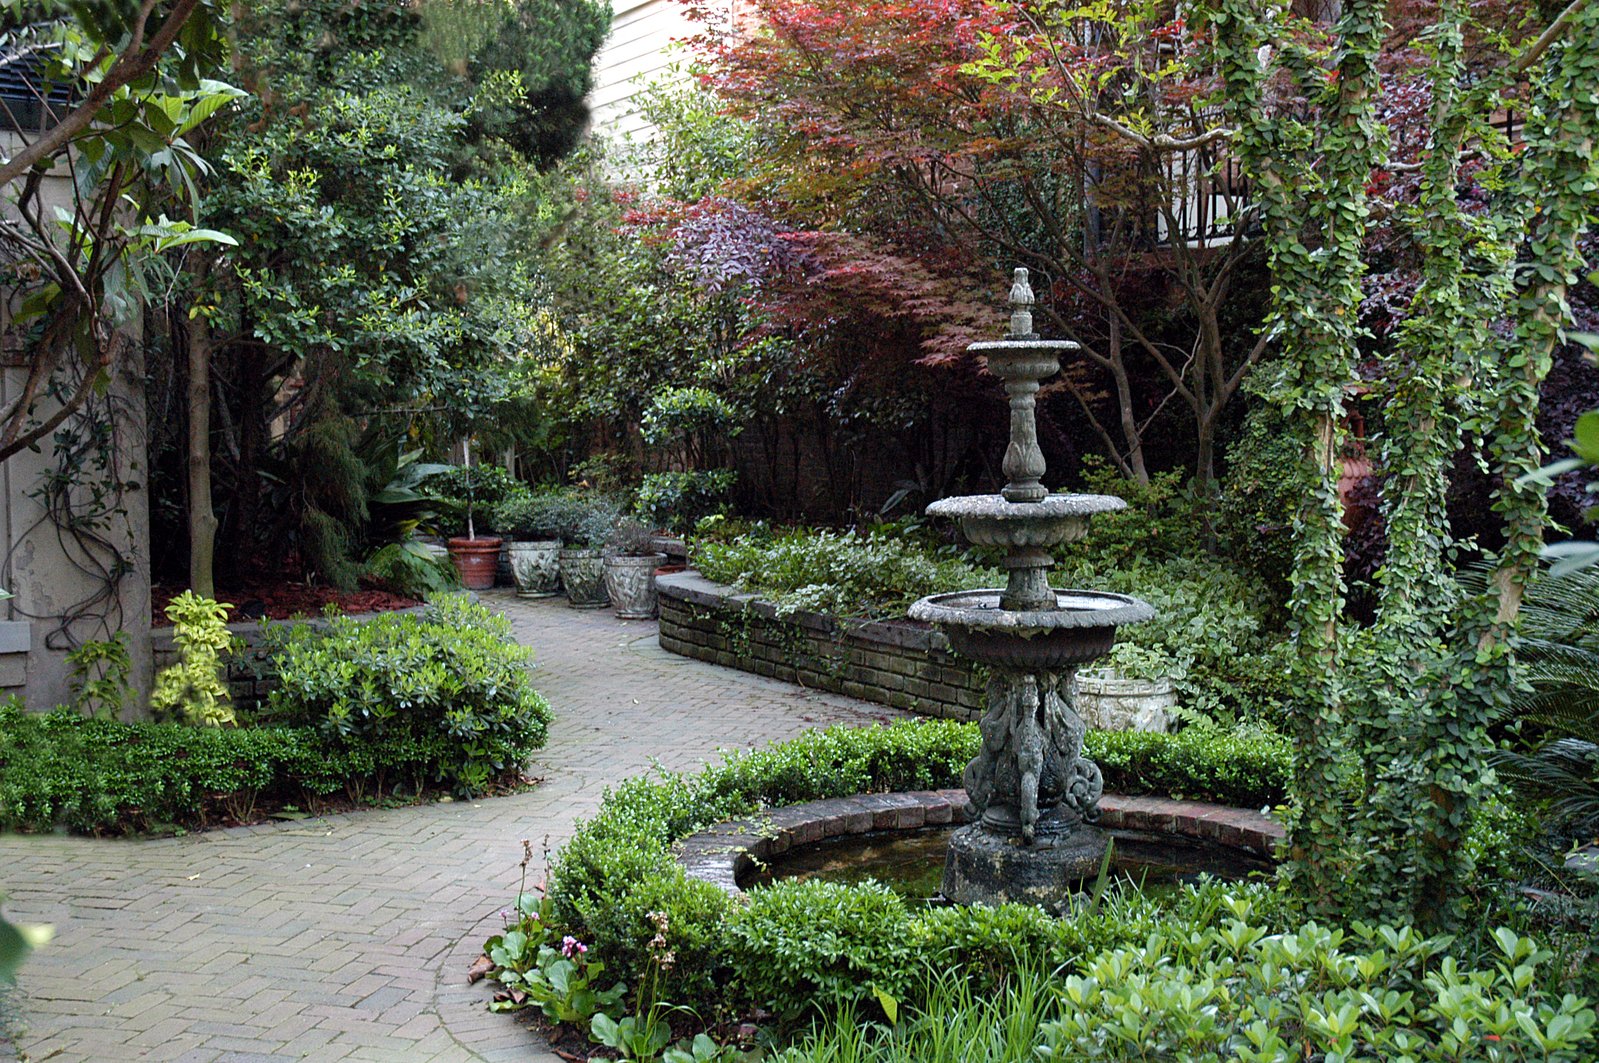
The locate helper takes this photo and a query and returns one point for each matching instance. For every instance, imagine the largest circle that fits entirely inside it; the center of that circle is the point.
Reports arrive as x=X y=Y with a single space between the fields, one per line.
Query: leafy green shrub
x=1211 y=635
x=97 y=776
x=1237 y=991
x=678 y=500
x=618 y=866
x=844 y=574
x=194 y=688
x=1161 y=521
x=102 y=776
x=534 y=514
x=451 y=679
x=1251 y=770
x=1260 y=494
x=800 y=945
x=1235 y=985
x=408 y=568
x=479 y=488
x=100 y=670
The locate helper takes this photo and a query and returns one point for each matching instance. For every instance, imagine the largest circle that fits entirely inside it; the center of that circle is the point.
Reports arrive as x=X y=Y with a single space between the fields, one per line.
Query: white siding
x=638 y=51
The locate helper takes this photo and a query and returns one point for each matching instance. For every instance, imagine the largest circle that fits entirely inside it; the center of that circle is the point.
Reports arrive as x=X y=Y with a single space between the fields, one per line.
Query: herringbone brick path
x=346 y=937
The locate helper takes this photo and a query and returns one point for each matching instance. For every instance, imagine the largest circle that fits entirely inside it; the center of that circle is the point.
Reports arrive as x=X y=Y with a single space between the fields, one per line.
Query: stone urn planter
x=583 y=578
x=475 y=561
x=536 y=567
x=1108 y=702
x=630 y=581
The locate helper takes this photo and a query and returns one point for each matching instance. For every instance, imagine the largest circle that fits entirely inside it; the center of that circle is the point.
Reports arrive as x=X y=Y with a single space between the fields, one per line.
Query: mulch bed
x=284 y=601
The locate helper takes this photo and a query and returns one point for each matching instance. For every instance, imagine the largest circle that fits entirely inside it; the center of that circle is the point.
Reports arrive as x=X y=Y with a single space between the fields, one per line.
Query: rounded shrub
x=450 y=685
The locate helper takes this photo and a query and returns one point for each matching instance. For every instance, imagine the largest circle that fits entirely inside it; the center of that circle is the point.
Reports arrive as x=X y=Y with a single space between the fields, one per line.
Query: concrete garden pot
x=475 y=561
x=583 y=578
x=1110 y=703
x=536 y=568
x=630 y=581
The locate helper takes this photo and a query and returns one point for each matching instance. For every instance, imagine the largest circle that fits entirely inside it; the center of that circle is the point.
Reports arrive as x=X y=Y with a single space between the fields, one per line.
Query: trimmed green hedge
x=800 y=945
x=439 y=700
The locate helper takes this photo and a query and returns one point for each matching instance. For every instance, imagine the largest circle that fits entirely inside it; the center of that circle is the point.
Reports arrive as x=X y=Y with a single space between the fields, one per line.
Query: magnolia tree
x=1391 y=735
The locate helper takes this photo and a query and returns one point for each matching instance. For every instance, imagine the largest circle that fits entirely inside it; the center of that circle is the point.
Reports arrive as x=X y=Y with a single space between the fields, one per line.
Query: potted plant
x=582 y=563
x=533 y=524
x=1130 y=690
x=630 y=563
x=475 y=559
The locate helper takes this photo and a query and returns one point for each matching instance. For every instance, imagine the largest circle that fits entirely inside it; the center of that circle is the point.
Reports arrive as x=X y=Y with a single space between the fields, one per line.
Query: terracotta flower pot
x=475 y=560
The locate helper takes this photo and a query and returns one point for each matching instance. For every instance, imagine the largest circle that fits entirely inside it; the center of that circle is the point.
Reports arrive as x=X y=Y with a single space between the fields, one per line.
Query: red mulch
x=284 y=601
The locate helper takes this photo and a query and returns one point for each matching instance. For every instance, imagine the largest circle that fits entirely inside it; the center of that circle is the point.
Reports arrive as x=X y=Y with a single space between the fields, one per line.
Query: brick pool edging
x=725 y=852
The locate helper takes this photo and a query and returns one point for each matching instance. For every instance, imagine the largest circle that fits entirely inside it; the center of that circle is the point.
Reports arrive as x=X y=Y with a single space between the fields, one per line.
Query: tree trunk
x=202 y=515
x=1136 y=467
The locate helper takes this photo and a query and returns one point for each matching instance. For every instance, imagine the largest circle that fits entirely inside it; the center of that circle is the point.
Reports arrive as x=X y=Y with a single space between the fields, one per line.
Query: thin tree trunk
x=1124 y=406
x=202 y=515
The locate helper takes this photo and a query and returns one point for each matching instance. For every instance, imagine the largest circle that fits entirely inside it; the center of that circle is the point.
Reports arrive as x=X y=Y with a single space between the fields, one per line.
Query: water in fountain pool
x=911 y=863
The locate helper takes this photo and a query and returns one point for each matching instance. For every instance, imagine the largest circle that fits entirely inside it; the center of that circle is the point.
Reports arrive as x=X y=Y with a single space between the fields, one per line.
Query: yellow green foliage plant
x=194 y=688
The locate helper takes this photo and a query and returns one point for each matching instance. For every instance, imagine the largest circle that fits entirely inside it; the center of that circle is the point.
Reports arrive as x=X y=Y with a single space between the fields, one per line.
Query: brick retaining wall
x=899 y=664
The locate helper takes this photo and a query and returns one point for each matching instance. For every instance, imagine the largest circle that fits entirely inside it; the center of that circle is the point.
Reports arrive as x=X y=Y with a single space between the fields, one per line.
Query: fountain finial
x=1021 y=306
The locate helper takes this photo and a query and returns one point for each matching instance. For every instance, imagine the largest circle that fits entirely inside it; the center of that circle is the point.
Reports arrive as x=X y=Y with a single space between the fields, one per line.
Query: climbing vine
x=1391 y=744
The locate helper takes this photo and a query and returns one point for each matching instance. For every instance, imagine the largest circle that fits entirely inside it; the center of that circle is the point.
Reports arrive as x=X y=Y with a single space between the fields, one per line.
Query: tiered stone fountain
x=1034 y=794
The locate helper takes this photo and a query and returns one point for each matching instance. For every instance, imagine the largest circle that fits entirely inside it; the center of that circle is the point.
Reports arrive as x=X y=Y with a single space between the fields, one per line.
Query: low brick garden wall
x=724 y=854
x=900 y=664
x=251 y=676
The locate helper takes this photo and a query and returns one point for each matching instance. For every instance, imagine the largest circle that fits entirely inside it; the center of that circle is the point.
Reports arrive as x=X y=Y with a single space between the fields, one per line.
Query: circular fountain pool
x=911 y=862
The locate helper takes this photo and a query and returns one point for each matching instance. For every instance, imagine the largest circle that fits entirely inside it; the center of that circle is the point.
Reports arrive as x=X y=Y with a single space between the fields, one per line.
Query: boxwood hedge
x=801 y=945
x=441 y=700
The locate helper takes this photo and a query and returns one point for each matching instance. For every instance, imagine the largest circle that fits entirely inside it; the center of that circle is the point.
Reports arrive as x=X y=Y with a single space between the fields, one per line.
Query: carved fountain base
x=982 y=867
x=1034 y=796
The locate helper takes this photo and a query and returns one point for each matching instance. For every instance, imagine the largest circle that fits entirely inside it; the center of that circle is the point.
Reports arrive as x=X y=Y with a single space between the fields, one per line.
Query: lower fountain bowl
x=987 y=868
x=1061 y=648
x=1081 y=629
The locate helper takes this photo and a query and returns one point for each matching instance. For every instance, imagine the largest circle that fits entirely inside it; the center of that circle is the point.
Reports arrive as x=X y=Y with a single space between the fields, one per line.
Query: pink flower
x=571 y=947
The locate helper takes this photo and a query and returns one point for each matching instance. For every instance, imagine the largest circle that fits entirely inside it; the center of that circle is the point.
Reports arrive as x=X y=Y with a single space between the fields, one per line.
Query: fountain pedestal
x=1034 y=793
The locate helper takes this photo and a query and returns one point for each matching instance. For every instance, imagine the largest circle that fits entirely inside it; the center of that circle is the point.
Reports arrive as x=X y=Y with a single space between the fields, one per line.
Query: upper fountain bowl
x=991 y=520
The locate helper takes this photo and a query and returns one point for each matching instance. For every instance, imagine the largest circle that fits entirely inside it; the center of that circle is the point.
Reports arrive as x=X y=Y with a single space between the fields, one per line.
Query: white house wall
x=638 y=51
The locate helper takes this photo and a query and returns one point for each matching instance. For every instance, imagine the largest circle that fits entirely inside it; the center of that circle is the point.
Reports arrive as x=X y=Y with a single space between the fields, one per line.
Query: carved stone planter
x=1107 y=702
x=630 y=581
x=583 y=578
x=536 y=568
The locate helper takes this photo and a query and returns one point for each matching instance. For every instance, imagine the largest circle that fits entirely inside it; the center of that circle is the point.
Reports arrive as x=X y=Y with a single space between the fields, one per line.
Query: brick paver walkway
x=347 y=936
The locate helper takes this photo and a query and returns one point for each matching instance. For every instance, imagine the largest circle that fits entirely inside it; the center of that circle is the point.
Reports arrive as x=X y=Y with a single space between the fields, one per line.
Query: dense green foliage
x=193 y=689
x=1235 y=990
x=1214 y=634
x=106 y=777
x=846 y=574
x=618 y=867
x=1554 y=760
x=1410 y=694
x=452 y=678
x=440 y=701
x=386 y=175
